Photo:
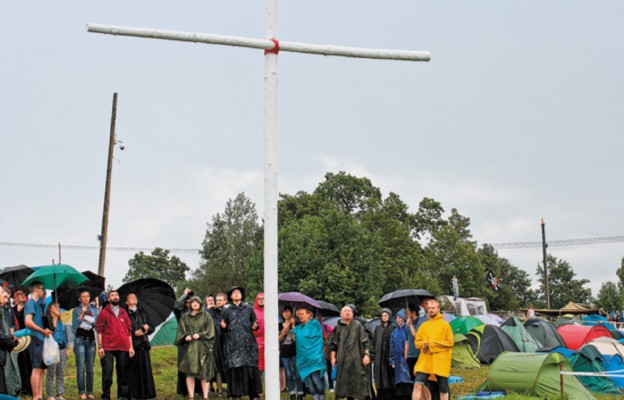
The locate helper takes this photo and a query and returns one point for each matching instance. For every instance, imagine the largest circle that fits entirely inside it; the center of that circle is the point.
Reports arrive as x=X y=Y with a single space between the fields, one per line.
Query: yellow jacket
x=439 y=335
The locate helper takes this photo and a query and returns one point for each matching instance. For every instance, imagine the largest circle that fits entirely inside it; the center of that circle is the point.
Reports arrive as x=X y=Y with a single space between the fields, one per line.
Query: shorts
x=421 y=379
x=36 y=353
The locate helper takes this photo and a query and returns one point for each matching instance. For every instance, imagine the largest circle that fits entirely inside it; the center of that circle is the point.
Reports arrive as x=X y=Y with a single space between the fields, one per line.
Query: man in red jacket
x=114 y=331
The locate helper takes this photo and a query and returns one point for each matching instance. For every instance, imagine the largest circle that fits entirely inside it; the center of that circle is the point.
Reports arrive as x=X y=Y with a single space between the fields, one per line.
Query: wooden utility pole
x=545 y=263
x=109 y=171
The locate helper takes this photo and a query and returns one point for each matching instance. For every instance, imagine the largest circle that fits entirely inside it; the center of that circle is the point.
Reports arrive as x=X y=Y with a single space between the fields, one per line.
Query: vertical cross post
x=271 y=354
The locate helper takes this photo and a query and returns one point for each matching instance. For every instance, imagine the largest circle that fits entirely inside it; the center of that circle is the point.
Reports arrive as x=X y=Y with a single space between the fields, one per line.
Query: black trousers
x=121 y=359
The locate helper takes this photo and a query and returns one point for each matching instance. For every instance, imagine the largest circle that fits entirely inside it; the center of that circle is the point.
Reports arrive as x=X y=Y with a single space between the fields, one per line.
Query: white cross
x=272 y=48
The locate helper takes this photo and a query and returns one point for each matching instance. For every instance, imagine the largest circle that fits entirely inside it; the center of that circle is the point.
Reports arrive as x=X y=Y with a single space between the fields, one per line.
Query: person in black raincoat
x=140 y=366
x=241 y=350
x=350 y=355
x=382 y=371
x=6 y=341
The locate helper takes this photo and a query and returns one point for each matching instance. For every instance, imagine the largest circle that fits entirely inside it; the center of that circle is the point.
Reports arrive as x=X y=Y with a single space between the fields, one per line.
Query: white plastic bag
x=51 y=351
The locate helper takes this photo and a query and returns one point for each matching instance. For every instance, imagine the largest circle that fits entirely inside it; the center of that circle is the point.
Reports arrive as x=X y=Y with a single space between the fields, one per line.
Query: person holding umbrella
x=140 y=366
x=84 y=318
x=34 y=321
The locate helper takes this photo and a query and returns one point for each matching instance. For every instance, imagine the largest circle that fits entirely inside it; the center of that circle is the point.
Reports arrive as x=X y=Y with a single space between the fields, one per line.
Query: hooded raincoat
x=382 y=371
x=241 y=349
x=439 y=335
x=196 y=356
x=310 y=353
x=350 y=342
x=259 y=333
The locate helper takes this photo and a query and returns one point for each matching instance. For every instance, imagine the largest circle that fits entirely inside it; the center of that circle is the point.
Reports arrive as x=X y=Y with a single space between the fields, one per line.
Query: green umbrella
x=55 y=275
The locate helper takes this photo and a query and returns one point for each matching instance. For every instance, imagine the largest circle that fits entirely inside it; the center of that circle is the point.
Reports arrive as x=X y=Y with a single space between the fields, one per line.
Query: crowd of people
x=220 y=342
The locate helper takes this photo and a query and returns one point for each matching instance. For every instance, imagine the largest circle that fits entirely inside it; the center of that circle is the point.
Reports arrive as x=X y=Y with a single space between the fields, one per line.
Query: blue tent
x=595 y=319
x=614 y=364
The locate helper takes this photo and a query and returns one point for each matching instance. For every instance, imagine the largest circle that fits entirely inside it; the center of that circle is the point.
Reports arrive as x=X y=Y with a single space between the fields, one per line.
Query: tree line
x=345 y=243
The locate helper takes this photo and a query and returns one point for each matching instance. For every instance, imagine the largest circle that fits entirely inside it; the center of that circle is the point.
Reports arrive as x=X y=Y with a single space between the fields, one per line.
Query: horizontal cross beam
x=265 y=44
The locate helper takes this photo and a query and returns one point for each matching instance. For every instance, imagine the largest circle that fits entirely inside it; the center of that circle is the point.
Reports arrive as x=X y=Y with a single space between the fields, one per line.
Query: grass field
x=164 y=366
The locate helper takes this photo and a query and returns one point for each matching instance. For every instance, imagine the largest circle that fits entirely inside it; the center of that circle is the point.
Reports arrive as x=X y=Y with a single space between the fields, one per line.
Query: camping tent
x=487 y=319
x=614 y=364
x=589 y=359
x=575 y=336
x=463 y=325
x=597 y=319
x=608 y=346
x=166 y=333
x=568 y=319
x=523 y=339
x=488 y=341
x=545 y=332
x=534 y=374
x=462 y=354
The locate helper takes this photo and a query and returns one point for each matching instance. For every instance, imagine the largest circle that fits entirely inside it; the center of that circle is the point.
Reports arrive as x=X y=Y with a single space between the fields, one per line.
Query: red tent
x=575 y=336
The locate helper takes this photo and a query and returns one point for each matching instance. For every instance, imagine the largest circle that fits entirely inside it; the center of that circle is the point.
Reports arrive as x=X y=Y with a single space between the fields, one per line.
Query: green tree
x=515 y=284
x=352 y=195
x=609 y=297
x=230 y=240
x=620 y=274
x=562 y=285
x=159 y=265
x=450 y=252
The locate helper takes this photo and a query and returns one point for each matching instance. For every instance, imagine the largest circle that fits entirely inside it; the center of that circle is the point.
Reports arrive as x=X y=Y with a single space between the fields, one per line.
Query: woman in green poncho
x=195 y=339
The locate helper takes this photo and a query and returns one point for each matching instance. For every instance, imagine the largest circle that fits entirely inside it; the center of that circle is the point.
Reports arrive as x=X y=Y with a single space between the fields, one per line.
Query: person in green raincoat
x=195 y=339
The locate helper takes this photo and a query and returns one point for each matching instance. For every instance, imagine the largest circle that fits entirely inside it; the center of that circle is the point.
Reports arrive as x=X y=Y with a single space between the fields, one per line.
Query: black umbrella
x=68 y=296
x=401 y=298
x=16 y=275
x=327 y=309
x=155 y=297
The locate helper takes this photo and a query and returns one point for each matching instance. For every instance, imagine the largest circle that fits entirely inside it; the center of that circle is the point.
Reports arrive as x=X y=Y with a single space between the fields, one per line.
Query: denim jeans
x=293 y=380
x=316 y=385
x=85 y=355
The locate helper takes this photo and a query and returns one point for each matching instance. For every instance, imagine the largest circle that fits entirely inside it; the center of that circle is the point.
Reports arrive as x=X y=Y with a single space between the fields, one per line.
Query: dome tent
x=523 y=339
x=535 y=374
x=545 y=332
x=488 y=341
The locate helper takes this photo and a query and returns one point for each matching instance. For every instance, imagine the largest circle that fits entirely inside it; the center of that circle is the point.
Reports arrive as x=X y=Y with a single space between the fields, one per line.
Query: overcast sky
x=518 y=116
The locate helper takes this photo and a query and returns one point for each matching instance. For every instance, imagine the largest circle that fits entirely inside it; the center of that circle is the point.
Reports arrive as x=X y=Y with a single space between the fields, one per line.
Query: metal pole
x=545 y=263
x=59 y=248
x=266 y=44
x=271 y=354
x=109 y=171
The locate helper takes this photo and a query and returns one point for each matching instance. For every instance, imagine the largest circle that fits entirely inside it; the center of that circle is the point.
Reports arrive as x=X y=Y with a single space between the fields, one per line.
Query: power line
x=563 y=242
x=503 y=245
x=79 y=247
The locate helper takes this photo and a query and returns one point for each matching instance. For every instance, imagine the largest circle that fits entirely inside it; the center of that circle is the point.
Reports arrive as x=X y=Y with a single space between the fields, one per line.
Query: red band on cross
x=275 y=49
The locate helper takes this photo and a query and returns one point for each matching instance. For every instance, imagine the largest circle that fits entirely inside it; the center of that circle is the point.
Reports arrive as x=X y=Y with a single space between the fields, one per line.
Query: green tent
x=462 y=354
x=523 y=339
x=463 y=325
x=545 y=332
x=166 y=333
x=589 y=359
x=535 y=374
